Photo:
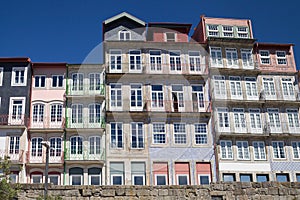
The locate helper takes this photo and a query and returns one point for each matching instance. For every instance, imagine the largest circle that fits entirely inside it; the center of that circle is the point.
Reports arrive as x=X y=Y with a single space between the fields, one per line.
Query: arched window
x=55 y=147
x=38 y=113
x=56 y=112
x=76 y=176
x=76 y=145
x=36 y=146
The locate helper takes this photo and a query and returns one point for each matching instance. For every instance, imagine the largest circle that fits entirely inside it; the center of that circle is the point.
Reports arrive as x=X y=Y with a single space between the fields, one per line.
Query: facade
x=47 y=111
x=15 y=82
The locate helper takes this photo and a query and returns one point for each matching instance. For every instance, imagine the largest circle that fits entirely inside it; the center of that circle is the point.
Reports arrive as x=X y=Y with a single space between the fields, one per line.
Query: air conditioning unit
x=262 y=95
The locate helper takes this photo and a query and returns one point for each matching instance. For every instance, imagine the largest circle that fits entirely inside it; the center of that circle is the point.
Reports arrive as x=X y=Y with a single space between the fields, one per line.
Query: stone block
x=273 y=191
x=108 y=193
x=251 y=191
x=130 y=192
x=120 y=192
x=143 y=192
x=154 y=192
x=163 y=192
x=86 y=192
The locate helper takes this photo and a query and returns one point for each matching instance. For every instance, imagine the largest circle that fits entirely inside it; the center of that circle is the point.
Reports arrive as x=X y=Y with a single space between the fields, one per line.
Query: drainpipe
x=66 y=122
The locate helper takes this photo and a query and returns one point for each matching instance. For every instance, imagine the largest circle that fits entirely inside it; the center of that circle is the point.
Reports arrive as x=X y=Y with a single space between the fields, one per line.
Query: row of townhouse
x=164 y=108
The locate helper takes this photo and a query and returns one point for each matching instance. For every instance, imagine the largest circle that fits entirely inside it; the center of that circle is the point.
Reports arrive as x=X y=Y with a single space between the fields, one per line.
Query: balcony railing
x=10 y=120
x=85 y=123
x=13 y=156
x=84 y=155
x=86 y=90
x=46 y=122
x=41 y=158
x=162 y=106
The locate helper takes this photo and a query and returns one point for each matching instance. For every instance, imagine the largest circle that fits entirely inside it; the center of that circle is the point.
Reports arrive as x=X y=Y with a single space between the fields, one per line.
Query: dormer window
x=170 y=37
x=242 y=32
x=227 y=31
x=281 y=57
x=124 y=35
x=213 y=30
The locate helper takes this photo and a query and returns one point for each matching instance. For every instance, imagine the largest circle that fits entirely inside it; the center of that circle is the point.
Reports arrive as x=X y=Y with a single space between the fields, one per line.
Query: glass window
x=76 y=176
x=287 y=87
x=198 y=96
x=204 y=179
x=55 y=147
x=17 y=110
x=117 y=173
x=54 y=179
x=195 y=61
x=76 y=145
x=269 y=87
x=236 y=87
x=226 y=149
x=57 y=81
x=255 y=120
x=155 y=60
x=219 y=86
x=135 y=60
x=175 y=61
x=94 y=176
x=171 y=37
x=137 y=135
x=124 y=35
x=1 y=76
x=242 y=32
x=228 y=177
x=213 y=30
x=94 y=113
x=77 y=82
x=177 y=97
x=95 y=82
x=251 y=87
x=245 y=177
x=282 y=177
x=223 y=119
x=281 y=57
x=36 y=147
x=159 y=133
x=239 y=120
x=243 y=150
x=293 y=120
x=38 y=113
x=36 y=178
x=259 y=150
x=227 y=31
x=115 y=60
x=161 y=179
x=179 y=134
x=157 y=96
x=201 y=133
x=19 y=76
x=76 y=113
x=39 y=81
x=232 y=57
x=296 y=149
x=14 y=144
x=247 y=57
x=216 y=56
x=115 y=95
x=13 y=178
x=95 y=144
x=262 y=178
x=56 y=112
x=298 y=177
x=265 y=57
x=116 y=135
x=182 y=179
x=138 y=172
x=278 y=149
x=274 y=119
x=136 y=97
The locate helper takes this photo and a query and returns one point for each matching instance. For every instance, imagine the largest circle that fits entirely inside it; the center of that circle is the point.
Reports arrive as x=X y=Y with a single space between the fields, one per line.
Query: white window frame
x=155 y=61
x=115 y=103
x=222 y=115
x=117 y=175
x=274 y=120
x=78 y=109
x=165 y=175
x=115 y=144
x=293 y=120
x=255 y=120
x=269 y=88
x=242 y=33
x=226 y=151
x=288 y=90
x=95 y=115
x=56 y=150
x=56 y=117
x=157 y=103
x=14 y=145
x=161 y=133
x=54 y=175
x=79 y=146
x=180 y=137
x=195 y=60
x=135 y=60
x=199 y=178
x=38 y=151
x=57 y=77
x=136 y=88
x=93 y=145
x=259 y=153
x=38 y=115
x=75 y=175
x=20 y=116
x=13 y=76
x=175 y=61
x=226 y=31
x=213 y=30
x=38 y=80
x=199 y=95
x=232 y=58
x=116 y=55
x=296 y=149
x=220 y=91
x=251 y=88
x=126 y=35
x=187 y=178
x=178 y=91
x=216 y=58
x=278 y=151
x=170 y=40
x=95 y=82
x=37 y=175
x=239 y=118
x=94 y=175
x=136 y=124
x=265 y=59
x=77 y=82
x=1 y=75
x=243 y=152
x=235 y=87
x=247 y=58
x=281 y=60
x=199 y=131
x=138 y=175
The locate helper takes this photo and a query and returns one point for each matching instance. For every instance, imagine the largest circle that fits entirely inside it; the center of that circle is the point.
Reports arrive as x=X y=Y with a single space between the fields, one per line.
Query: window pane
x=161 y=180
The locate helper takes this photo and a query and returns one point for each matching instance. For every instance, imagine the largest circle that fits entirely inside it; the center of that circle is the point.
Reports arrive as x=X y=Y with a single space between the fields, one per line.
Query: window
x=137 y=135
x=228 y=177
x=182 y=179
x=213 y=30
x=36 y=178
x=226 y=149
x=95 y=145
x=124 y=35
x=115 y=60
x=239 y=120
x=293 y=120
x=38 y=113
x=281 y=57
x=265 y=57
x=155 y=60
x=251 y=88
x=77 y=82
x=94 y=176
x=19 y=76
x=14 y=144
x=115 y=95
x=39 y=81
x=296 y=149
x=55 y=147
x=269 y=87
x=160 y=179
x=262 y=178
x=227 y=31
x=159 y=133
x=54 y=179
x=157 y=96
x=242 y=32
x=247 y=58
x=17 y=109
x=175 y=61
x=179 y=134
x=138 y=172
x=136 y=98
x=57 y=81
x=287 y=88
x=170 y=37
x=278 y=149
x=223 y=119
x=274 y=120
x=1 y=76
x=245 y=177
x=13 y=177
x=76 y=113
x=195 y=61
x=117 y=173
x=135 y=60
x=76 y=176
x=232 y=57
x=116 y=135
x=201 y=133
x=95 y=82
x=76 y=145
x=236 y=87
x=242 y=150
x=203 y=179
x=216 y=56
x=177 y=98
x=56 y=113
x=282 y=177
x=298 y=177
x=219 y=86
x=198 y=97
x=36 y=147
x=255 y=120
x=259 y=150
x=94 y=113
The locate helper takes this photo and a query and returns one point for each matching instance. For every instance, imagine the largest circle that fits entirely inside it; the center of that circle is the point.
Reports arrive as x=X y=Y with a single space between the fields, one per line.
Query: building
x=15 y=87
x=46 y=122
x=158 y=109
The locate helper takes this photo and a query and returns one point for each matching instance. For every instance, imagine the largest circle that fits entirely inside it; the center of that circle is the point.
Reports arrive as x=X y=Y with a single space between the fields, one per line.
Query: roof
x=15 y=59
x=170 y=25
x=124 y=14
x=273 y=44
x=48 y=64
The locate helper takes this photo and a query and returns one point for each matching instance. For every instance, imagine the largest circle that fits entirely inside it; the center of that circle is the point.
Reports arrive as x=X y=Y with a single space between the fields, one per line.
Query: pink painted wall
x=203 y=168
x=160 y=168
x=160 y=36
x=182 y=168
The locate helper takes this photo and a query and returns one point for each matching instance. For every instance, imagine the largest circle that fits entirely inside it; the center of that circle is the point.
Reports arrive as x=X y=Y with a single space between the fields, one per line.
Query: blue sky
x=67 y=30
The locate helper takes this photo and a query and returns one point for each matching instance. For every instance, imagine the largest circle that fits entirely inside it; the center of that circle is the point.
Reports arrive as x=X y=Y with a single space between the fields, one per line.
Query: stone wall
x=215 y=191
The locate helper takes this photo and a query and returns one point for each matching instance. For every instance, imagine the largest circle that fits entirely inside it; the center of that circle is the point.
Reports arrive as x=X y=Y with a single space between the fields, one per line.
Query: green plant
x=7 y=190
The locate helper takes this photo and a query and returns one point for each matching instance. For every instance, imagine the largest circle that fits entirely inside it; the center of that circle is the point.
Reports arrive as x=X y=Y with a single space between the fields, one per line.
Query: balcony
x=13 y=157
x=84 y=155
x=47 y=123
x=9 y=120
x=85 y=90
x=281 y=128
x=85 y=123
x=40 y=158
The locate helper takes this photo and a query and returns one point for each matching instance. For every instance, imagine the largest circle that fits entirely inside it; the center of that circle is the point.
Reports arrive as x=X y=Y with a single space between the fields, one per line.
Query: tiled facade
x=163 y=109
